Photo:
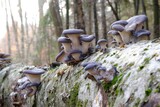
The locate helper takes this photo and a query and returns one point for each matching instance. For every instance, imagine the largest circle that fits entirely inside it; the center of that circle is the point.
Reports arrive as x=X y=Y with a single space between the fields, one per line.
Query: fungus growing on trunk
x=103 y=45
x=76 y=54
x=116 y=36
x=86 y=42
x=34 y=75
x=66 y=43
x=74 y=36
x=142 y=34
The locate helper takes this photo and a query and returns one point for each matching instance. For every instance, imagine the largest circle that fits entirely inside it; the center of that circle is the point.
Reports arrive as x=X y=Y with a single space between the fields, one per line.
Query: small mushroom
x=3 y=55
x=92 y=68
x=142 y=34
x=120 y=22
x=66 y=43
x=76 y=54
x=86 y=42
x=74 y=36
x=31 y=89
x=125 y=35
x=34 y=75
x=116 y=36
x=62 y=56
x=103 y=45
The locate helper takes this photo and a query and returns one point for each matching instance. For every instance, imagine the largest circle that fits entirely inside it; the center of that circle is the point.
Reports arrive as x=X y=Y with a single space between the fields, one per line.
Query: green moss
x=145 y=49
x=138 y=100
x=85 y=103
x=73 y=96
x=141 y=67
x=148 y=92
x=131 y=64
x=79 y=103
x=146 y=61
x=115 y=65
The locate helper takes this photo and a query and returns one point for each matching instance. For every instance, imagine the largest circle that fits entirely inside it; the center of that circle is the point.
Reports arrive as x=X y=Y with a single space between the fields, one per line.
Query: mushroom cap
x=120 y=22
x=75 y=51
x=91 y=66
x=102 y=68
x=64 y=40
x=72 y=31
x=118 y=27
x=142 y=32
x=86 y=63
x=3 y=55
x=87 y=38
x=34 y=71
x=113 y=32
x=59 y=55
x=134 y=21
x=137 y=19
x=101 y=41
x=32 y=84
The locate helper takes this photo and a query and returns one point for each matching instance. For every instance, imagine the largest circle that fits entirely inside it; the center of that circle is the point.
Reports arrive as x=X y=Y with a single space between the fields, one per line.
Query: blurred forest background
x=35 y=42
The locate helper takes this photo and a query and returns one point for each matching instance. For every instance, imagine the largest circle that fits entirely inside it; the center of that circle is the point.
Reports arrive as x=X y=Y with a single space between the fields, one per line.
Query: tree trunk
x=95 y=20
x=67 y=14
x=136 y=6
x=7 y=27
x=22 y=30
x=79 y=15
x=90 y=17
x=113 y=10
x=104 y=27
x=57 y=21
x=144 y=11
x=15 y=31
x=156 y=19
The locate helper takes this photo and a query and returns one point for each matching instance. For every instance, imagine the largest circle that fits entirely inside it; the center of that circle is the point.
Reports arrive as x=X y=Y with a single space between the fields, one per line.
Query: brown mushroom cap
x=64 y=40
x=142 y=32
x=118 y=27
x=101 y=41
x=60 y=56
x=120 y=22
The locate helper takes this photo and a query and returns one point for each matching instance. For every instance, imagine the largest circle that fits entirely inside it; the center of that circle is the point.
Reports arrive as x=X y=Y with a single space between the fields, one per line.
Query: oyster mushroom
x=62 y=57
x=92 y=68
x=125 y=35
x=31 y=89
x=142 y=34
x=74 y=36
x=120 y=22
x=76 y=54
x=3 y=55
x=136 y=23
x=116 y=36
x=103 y=45
x=86 y=41
x=34 y=75
x=66 y=43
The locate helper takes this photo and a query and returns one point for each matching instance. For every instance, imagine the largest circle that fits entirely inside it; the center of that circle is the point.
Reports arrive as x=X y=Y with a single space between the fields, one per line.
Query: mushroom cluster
x=4 y=59
x=26 y=86
x=100 y=72
x=102 y=45
x=75 y=46
x=129 y=31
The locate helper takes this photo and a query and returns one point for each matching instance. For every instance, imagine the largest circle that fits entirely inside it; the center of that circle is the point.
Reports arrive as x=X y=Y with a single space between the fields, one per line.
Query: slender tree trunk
x=15 y=31
x=27 y=39
x=156 y=19
x=95 y=20
x=7 y=27
x=79 y=23
x=22 y=31
x=57 y=21
x=104 y=26
x=144 y=11
x=67 y=14
x=136 y=6
x=113 y=10
x=90 y=16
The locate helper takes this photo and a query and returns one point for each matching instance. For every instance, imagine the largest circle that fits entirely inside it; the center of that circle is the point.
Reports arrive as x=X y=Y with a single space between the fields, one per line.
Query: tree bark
x=7 y=27
x=156 y=25
x=22 y=30
x=144 y=11
x=57 y=21
x=104 y=26
x=95 y=20
x=113 y=10
x=79 y=15
x=15 y=31
x=67 y=14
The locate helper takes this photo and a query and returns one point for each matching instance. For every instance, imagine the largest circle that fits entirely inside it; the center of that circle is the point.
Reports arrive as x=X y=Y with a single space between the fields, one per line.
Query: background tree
x=156 y=19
